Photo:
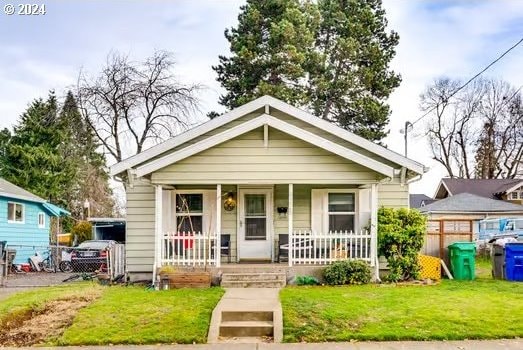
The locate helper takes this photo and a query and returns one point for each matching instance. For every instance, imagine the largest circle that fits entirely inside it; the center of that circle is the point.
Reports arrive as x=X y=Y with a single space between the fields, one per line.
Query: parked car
x=91 y=256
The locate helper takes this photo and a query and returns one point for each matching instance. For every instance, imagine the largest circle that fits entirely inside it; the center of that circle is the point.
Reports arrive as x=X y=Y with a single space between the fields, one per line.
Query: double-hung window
x=15 y=212
x=41 y=220
x=336 y=210
x=341 y=212
x=189 y=212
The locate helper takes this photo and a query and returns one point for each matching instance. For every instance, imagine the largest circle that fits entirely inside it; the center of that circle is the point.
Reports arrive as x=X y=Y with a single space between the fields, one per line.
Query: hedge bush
x=347 y=272
x=400 y=238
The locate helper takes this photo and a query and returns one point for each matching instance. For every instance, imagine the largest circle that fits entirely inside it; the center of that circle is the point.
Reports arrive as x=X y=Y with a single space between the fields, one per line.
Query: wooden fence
x=441 y=233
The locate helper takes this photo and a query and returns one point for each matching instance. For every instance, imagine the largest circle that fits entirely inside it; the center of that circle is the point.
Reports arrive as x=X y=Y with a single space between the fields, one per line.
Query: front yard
x=480 y=309
x=87 y=313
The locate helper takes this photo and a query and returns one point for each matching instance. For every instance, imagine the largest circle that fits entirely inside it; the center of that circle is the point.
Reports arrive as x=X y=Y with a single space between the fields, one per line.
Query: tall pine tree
x=32 y=156
x=91 y=181
x=269 y=52
x=351 y=80
x=331 y=57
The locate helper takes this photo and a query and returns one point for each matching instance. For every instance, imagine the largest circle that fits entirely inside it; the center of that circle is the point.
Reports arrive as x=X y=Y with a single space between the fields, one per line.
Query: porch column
x=158 y=227
x=290 y=211
x=374 y=230
x=217 y=245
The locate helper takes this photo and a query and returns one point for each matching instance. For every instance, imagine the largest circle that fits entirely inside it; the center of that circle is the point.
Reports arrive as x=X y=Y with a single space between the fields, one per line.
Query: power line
x=470 y=80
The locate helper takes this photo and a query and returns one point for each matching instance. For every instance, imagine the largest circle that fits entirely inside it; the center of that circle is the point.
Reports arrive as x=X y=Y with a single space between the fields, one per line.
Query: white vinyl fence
x=306 y=247
x=189 y=248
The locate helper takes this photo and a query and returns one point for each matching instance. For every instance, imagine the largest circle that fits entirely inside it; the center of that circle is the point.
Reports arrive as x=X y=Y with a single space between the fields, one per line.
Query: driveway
x=24 y=281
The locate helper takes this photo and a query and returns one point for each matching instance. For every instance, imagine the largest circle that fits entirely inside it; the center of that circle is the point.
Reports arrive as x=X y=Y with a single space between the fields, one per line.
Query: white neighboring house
x=260 y=179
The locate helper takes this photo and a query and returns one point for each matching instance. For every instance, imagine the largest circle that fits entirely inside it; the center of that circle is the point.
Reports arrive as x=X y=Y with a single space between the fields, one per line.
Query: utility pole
x=405 y=131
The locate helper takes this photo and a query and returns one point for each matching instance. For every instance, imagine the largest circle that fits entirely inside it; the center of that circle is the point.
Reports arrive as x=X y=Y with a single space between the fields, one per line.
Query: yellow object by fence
x=64 y=238
x=430 y=267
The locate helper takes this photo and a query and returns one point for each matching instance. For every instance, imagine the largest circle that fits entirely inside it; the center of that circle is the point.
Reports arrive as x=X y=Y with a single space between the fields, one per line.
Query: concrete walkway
x=247 y=300
x=513 y=344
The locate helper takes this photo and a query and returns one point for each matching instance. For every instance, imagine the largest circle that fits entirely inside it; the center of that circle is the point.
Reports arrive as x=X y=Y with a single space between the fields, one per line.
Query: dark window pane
x=255 y=229
x=190 y=223
x=341 y=223
x=19 y=216
x=341 y=202
x=10 y=211
x=189 y=203
x=254 y=205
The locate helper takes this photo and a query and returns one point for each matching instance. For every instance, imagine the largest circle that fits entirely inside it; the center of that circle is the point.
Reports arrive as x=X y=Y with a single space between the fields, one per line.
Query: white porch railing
x=306 y=247
x=189 y=249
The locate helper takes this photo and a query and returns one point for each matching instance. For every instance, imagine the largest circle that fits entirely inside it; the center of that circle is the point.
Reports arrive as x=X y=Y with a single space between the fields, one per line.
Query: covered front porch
x=219 y=225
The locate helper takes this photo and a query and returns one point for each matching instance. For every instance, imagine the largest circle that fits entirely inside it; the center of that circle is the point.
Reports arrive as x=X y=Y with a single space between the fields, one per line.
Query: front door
x=255 y=224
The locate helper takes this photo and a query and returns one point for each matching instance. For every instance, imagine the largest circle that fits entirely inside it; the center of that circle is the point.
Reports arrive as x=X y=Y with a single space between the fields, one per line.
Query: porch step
x=246 y=329
x=228 y=316
x=254 y=280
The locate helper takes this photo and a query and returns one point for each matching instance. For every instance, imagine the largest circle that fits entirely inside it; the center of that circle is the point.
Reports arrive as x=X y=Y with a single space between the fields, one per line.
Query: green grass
x=481 y=309
x=35 y=299
x=483 y=267
x=132 y=315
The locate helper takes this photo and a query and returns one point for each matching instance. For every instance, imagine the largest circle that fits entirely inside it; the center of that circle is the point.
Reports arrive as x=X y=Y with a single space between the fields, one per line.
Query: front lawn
x=133 y=315
x=87 y=313
x=481 y=309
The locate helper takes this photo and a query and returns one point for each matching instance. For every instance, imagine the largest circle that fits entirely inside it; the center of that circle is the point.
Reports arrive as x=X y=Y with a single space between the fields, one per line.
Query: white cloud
x=456 y=39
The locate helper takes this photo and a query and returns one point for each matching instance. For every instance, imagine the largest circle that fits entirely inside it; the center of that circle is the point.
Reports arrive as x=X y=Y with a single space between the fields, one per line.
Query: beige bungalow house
x=264 y=182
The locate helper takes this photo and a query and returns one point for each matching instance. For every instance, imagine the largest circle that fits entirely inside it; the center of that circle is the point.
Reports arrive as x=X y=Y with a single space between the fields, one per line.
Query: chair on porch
x=225 y=247
x=305 y=245
x=283 y=247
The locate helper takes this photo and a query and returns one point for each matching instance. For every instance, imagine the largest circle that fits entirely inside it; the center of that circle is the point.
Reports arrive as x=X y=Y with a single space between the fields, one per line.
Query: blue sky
x=453 y=38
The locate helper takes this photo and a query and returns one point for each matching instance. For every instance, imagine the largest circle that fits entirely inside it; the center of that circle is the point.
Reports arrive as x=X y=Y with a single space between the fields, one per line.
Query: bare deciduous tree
x=131 y=105
x=476 y=132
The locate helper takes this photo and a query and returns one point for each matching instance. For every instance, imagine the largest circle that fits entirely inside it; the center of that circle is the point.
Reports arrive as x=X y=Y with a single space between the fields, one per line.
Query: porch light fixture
x=230 y=203
x=282 y=211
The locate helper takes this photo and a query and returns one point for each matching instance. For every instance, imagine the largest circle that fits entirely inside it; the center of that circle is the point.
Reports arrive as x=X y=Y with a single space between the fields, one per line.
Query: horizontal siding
x=218 y=130
x=286 y=159
x=393 y=195
x=27 y=238
x=140 y=227
x=320 y=132
x=229 y=222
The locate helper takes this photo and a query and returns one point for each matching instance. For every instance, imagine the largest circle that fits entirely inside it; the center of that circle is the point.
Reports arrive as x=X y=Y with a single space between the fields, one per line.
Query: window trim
x=23 y=213
x=514 y=195
x=41 y=215
x=177 y=214
x=326 y=212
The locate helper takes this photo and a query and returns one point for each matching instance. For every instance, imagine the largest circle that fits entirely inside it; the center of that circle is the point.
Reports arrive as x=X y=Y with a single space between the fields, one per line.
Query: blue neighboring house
x=25 y=220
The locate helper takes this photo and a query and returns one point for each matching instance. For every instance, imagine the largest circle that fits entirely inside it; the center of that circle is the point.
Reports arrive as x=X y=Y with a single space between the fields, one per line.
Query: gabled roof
x=418 y=200
x=7 y=189
x=488 y=188
x=471 y=203
x=149 y=160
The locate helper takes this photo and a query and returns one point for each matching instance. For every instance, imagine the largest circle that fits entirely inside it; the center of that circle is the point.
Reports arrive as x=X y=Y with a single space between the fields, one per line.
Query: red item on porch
x=187 y=239
x=25 y=267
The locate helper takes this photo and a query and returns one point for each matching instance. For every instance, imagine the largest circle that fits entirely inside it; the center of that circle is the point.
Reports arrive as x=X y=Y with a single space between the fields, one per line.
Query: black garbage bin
x=497 y=255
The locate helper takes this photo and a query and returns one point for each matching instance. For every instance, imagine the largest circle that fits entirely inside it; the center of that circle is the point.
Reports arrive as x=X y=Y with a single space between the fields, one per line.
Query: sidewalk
x=512 y=344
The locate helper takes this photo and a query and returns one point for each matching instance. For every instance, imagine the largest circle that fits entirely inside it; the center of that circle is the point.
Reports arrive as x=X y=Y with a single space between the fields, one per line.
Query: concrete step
x=253 y=284
x=247 y=316
x=246 y=329
x=248 y=276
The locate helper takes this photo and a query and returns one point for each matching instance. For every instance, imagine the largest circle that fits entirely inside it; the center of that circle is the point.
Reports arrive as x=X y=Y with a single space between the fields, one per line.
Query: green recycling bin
x=462 y=260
